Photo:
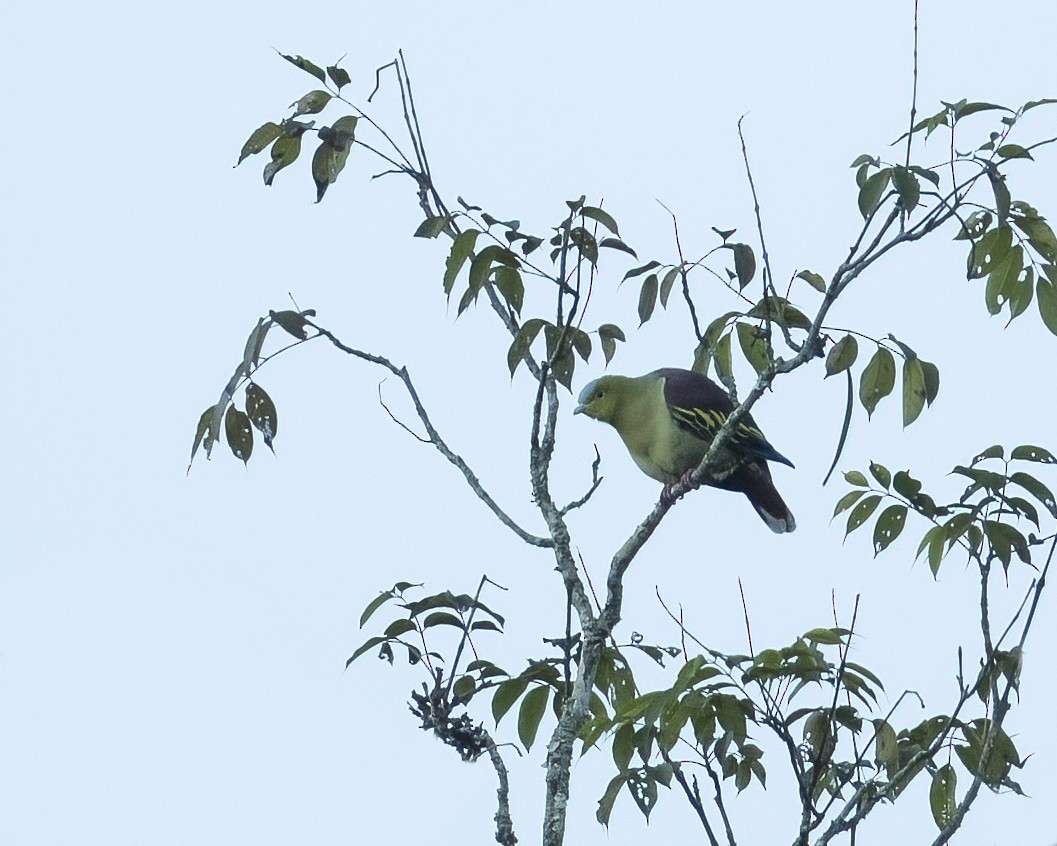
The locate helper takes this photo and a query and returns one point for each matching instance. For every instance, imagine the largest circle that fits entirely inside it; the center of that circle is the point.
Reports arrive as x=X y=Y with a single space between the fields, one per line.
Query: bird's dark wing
x=701 y=407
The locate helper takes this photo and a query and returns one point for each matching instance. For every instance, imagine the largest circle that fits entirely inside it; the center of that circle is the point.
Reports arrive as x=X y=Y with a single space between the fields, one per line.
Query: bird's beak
x=579 y=409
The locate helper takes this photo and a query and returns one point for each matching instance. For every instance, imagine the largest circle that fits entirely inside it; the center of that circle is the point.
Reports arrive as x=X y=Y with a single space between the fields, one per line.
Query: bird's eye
x=600 y=394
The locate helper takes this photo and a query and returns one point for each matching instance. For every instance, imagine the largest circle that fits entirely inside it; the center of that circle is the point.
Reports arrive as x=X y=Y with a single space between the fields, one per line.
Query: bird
x=667 y=420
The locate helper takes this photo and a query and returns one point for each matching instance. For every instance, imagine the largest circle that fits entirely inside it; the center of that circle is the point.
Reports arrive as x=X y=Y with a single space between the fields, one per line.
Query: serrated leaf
x=262 y=136
x=877 y=380
x=861 y=513
x=813 y=279
x=239 y=433
x=648 y=298
x=262 y=413
x=533 y=706
x=842 y=355
x=306 y=65
x=461 y=249
x=872 y=190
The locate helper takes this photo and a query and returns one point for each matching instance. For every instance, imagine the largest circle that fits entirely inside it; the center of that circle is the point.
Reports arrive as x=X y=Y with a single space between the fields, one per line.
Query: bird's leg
x=686 y=481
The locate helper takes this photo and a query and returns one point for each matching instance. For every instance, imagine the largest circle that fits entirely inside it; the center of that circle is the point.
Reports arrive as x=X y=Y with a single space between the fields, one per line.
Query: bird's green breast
x=655 y=442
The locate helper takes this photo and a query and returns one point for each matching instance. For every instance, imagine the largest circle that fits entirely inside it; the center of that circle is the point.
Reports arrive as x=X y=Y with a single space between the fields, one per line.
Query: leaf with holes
x=262 y=413
x=861 y=513
x=239 y=433
x=888 y=527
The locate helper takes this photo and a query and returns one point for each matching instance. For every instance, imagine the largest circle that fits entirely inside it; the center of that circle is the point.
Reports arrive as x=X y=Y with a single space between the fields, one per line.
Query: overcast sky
x=172 y=647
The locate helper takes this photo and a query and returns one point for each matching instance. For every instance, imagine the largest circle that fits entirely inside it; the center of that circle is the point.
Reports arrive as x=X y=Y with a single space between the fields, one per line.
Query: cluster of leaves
x=284 y=137
x=981 y=521
x=260 y=412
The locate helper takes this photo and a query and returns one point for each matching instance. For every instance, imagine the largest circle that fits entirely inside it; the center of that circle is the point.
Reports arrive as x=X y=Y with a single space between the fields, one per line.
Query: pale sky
x=172 y=647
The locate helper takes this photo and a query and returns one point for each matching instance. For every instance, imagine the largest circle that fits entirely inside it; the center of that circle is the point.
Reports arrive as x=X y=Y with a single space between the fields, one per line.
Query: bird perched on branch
x=667 y=420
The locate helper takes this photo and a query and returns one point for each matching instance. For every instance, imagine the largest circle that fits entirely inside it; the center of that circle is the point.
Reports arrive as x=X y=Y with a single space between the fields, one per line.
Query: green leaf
x=623 y=745
x=1012 y=151
x=914 y=394
x=932 y=381
x=638 y=271
x=889 y=526
x=721 y=354
x=1046 y=297
x=813 y=279
x=744 y=263
x=531 y=713
x=432 y=226
x=292 y=322
x=307 y=66
x=1037 y=489
x=585 y=242
x=666 y=284
x=877 y=380
x=847 y=501
x=987 y=252
x=609 y=798
x=1002 y=280
x=1033 y=453
x=872 y=190
x=881 y=474
x=609 y=334
x=842 y=355
x=204 y=434
x=239 y=433
x=861 y=513
x=511 y=286
x=905 y=485
x=461 y=249
x=907 y=187
x=262 y=413
x=933 y=540
x=262 y=136
x=886 y=747
x=854 y=477
x=753 y=346
x=506 y=695
x=522 y=342
x=339 y=76
x=615 y=244
x=643 y=788
x=942 y=799
x=603 y=217
x=581 y=342
x=285 y=150
x=375 y=604
x=648 y=298
x=327 y=162
x=312 y=103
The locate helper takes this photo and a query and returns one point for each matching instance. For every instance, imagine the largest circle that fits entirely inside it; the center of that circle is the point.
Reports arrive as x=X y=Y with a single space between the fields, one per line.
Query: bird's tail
x=755 y=482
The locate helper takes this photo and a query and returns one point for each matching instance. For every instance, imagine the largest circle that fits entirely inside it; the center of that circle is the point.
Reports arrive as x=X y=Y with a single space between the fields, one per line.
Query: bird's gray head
x=586 y=395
